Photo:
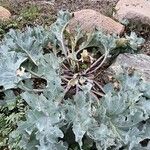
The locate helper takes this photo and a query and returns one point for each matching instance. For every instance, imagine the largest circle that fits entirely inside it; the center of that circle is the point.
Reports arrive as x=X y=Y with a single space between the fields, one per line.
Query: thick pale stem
x=65 y=50
x=106 y=54
x=97 y=93
x=65 y=67
x=94 y=96
x=63 y=78
x=29 y=56
x=67 y=77
x=95 y=63
x=100 y=87
x=34 y=74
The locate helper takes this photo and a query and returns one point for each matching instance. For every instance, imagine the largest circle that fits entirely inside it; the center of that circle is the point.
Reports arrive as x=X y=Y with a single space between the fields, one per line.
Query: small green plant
x=30 y=13
x=59 y=76
x=12 y=111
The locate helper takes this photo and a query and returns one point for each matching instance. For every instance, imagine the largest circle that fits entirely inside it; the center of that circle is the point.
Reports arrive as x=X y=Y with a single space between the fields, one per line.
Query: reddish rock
x=4 y=13
x=89 y=20
x=136 y=10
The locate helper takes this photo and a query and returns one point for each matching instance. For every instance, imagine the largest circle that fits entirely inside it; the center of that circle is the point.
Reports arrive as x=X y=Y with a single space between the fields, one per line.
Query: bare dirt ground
x=103 y=6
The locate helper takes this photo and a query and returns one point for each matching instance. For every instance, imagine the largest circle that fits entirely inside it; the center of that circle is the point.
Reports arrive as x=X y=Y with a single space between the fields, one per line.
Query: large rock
x=135 y=10
x=4 y=13
x=139 y=62
x=89 y=19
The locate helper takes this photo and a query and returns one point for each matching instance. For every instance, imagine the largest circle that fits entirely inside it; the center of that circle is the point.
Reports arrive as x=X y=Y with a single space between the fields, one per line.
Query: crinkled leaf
x=125 y=110
x=103 y=136
x=49 y=69
x=134 y=41
x=99 y=39
x=57 y=29
x=10 y=99
x=9 y=65
x=42 y=122
x=29 y=43
x=48 y=106
x=79 y=114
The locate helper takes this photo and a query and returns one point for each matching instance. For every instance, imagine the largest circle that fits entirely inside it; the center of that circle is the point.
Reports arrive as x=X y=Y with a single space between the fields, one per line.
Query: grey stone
x=136 y=10
x=139 y=62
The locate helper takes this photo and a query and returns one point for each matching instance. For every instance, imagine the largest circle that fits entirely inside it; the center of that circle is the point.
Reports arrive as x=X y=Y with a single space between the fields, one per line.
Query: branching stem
x=106 y=54
x=97 y=93
x=65 y=66
x=34 y=74
x=95 y=63
x=100 y=87
x=67 y=77
x=63 y=78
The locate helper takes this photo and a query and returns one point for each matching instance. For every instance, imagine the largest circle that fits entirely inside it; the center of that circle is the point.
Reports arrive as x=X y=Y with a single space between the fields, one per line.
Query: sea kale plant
x=58 y=80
